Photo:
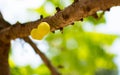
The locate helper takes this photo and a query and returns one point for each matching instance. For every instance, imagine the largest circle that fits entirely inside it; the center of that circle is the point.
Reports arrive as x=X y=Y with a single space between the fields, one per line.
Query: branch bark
x=43 y=57
x=4 y=52
x=78 y=10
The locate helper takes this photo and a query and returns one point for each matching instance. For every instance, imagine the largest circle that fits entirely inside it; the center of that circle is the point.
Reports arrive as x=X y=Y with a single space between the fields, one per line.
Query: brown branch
x=43 y=57
x=4 y=52
x=76 y=11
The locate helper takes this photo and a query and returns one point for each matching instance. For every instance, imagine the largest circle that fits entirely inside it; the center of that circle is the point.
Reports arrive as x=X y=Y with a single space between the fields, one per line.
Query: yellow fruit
x=44 y=27
x=42 y=30
x=36 y=34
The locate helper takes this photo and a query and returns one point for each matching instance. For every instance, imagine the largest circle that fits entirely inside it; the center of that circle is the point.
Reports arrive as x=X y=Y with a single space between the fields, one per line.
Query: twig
x=43 y=57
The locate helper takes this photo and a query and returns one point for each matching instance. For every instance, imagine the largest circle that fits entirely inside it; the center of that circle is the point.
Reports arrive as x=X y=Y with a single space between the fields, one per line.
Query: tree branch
x=76 y=11
x=4 y=53
x=43 y=57
x=4 y=50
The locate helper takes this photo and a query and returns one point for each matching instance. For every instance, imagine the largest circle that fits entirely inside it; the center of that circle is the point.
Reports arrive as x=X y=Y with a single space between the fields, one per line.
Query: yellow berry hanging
x=39 y=32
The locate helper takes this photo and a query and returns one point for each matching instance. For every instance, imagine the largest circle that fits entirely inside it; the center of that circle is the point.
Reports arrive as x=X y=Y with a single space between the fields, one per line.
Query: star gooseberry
x=39 y=32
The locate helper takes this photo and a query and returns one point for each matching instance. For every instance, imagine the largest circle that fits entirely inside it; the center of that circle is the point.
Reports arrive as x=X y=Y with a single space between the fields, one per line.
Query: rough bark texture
x=76 y=11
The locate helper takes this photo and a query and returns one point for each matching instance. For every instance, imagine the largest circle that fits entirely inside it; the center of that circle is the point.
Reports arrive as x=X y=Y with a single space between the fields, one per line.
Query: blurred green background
x=75 y=51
